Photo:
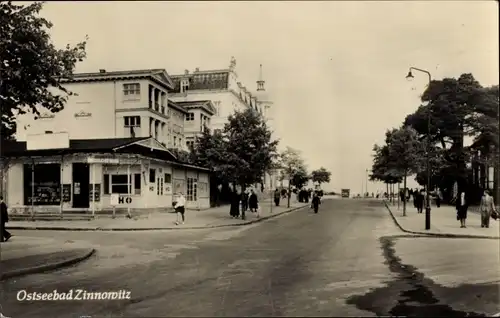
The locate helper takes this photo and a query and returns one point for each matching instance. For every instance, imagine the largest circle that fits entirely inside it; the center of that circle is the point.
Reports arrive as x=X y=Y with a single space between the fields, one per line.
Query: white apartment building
x=226 y=94
x=221 y=87
x=116 y=105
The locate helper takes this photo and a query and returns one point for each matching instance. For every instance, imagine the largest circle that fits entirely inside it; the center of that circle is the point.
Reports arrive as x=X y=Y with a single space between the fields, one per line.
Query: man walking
x=179 y=209
x=277 y=197
x=4 y=218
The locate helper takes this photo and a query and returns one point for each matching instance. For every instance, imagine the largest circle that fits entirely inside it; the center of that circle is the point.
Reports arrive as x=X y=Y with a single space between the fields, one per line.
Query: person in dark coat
x=316 y=201
x=462 y=205
x=4 y=234
x=419 y=200
x=277 y=197
x=235 y=204
x=253 y=202
x=244 y=202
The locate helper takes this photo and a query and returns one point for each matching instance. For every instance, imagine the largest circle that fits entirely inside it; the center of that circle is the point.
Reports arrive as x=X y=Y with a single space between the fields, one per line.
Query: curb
x=55 y=228
x=47 y=267
x=445 y=235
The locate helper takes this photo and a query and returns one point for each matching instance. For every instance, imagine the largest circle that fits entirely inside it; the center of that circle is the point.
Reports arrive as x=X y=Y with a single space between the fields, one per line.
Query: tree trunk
x=404 y=192
x=398 y=194
x=289 y=195
x=387 y=191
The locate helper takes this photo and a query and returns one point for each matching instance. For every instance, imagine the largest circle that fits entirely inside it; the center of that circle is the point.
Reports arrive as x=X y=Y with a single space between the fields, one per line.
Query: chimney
x=197 y=69
x=186 y=72
x=102 y=71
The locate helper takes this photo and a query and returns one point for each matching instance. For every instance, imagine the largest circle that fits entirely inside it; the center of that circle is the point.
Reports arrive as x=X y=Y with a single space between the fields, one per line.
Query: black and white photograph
x=249 y=159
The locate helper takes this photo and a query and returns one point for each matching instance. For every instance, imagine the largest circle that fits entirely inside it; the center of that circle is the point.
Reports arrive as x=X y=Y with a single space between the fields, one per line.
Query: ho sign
x=117 y=199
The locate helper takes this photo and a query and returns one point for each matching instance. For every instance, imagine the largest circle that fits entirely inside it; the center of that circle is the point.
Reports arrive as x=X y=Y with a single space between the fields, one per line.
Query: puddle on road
x=411 y=293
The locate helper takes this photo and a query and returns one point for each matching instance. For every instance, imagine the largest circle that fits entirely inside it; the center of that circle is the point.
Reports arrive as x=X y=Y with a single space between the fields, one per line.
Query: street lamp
x=427 y=153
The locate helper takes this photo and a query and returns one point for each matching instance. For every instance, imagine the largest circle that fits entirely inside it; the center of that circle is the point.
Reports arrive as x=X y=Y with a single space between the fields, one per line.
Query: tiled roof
x=213 y=80
x=15 y=148
x=159 y=75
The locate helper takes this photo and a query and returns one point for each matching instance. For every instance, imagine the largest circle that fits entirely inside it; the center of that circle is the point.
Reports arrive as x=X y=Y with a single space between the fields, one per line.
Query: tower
x=260 y=82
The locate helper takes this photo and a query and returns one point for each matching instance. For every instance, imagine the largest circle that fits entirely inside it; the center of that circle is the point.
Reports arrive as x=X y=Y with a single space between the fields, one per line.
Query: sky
x=335 y=70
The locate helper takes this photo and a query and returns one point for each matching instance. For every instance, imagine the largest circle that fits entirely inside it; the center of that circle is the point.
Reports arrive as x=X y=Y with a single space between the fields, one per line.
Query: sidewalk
x=443 y=222
x=211 y=218
x=23 y=255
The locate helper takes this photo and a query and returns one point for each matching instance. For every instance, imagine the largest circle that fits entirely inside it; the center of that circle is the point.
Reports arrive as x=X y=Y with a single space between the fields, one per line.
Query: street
x=349 y=259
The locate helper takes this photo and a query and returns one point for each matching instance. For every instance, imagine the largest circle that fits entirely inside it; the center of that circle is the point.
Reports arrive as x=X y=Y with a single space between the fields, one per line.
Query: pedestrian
x=415 y=198
x=244 y=202
x=4 y=218
x=316 y=201
x=277 y=197
x=421 y=201
x=235 y=199
x=180 y=209
x=461 y=206
x=487 y=208
x=439 y=197
x=253 y=202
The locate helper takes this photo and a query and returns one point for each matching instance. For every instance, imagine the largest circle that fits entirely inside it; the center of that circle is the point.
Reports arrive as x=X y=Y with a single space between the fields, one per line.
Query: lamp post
x=427 y=155
x=366 y=176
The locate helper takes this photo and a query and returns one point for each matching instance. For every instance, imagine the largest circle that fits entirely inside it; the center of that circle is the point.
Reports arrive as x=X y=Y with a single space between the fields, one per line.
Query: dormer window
x=184 y=85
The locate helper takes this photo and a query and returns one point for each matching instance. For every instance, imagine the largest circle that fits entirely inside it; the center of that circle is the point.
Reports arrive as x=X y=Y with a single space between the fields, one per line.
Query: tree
x=382 y=170
x=456 y=106
x=321 y=175
x=292 y=165
x=31 y=68
x=404 y=153
x=300 y=178
x=250 y=149
x=210 y=151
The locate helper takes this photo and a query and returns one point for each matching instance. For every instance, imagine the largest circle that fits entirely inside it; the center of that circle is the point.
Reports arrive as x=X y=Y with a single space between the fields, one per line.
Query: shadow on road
x=411 y=294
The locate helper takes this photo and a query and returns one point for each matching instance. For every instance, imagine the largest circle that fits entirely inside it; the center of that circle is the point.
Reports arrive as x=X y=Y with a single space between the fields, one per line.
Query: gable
x=151 y=143
x=165 y=78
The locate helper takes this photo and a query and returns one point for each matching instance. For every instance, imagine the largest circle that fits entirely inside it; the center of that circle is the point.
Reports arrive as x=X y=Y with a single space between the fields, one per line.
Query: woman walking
x=462 y=206
x=487 y=208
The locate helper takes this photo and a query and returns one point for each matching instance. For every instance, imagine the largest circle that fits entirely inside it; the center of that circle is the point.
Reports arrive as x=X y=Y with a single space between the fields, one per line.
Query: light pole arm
x=423 y=71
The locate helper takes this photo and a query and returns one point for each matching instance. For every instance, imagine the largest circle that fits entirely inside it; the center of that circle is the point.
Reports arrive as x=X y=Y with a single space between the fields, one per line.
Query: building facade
x=221 y=87
x=113 y=136
x=198 y=118
x=116 y=105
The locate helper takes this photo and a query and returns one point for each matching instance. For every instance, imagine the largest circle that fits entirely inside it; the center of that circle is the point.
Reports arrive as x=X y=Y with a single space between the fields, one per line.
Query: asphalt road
x=350 y=259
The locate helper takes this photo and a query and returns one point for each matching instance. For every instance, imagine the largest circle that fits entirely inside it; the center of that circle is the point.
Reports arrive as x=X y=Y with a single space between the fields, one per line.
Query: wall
x=175 y=128
x=98 y=99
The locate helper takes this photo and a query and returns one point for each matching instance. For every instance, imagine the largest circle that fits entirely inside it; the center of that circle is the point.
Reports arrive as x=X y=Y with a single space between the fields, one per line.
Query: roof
x=159 y=76
x=145 y=146
x=203 y=80
x=203 y=104
x=175 y=105
x=16 y=148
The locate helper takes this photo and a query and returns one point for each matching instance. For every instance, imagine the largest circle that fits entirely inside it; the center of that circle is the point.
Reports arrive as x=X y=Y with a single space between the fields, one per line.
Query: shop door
x=81 y=189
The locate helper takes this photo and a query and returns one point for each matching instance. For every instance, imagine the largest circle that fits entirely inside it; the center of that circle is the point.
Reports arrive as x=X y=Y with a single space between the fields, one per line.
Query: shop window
x=121 y=184
x=45 y=183
x=192 y=189
x=152 y=175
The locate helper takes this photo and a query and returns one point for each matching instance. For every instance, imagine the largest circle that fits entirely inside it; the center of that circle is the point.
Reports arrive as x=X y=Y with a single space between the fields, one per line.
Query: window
x=175 y=141
x=137 y=183
x=184 y=85
x=189 y=117
x=46 y=184
x=152 y=175
x=192 y=189
x=132 y=121
x=168 y=178
x=119 y=183
x=189 y=144
x=132 y=90
x=159 y=187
